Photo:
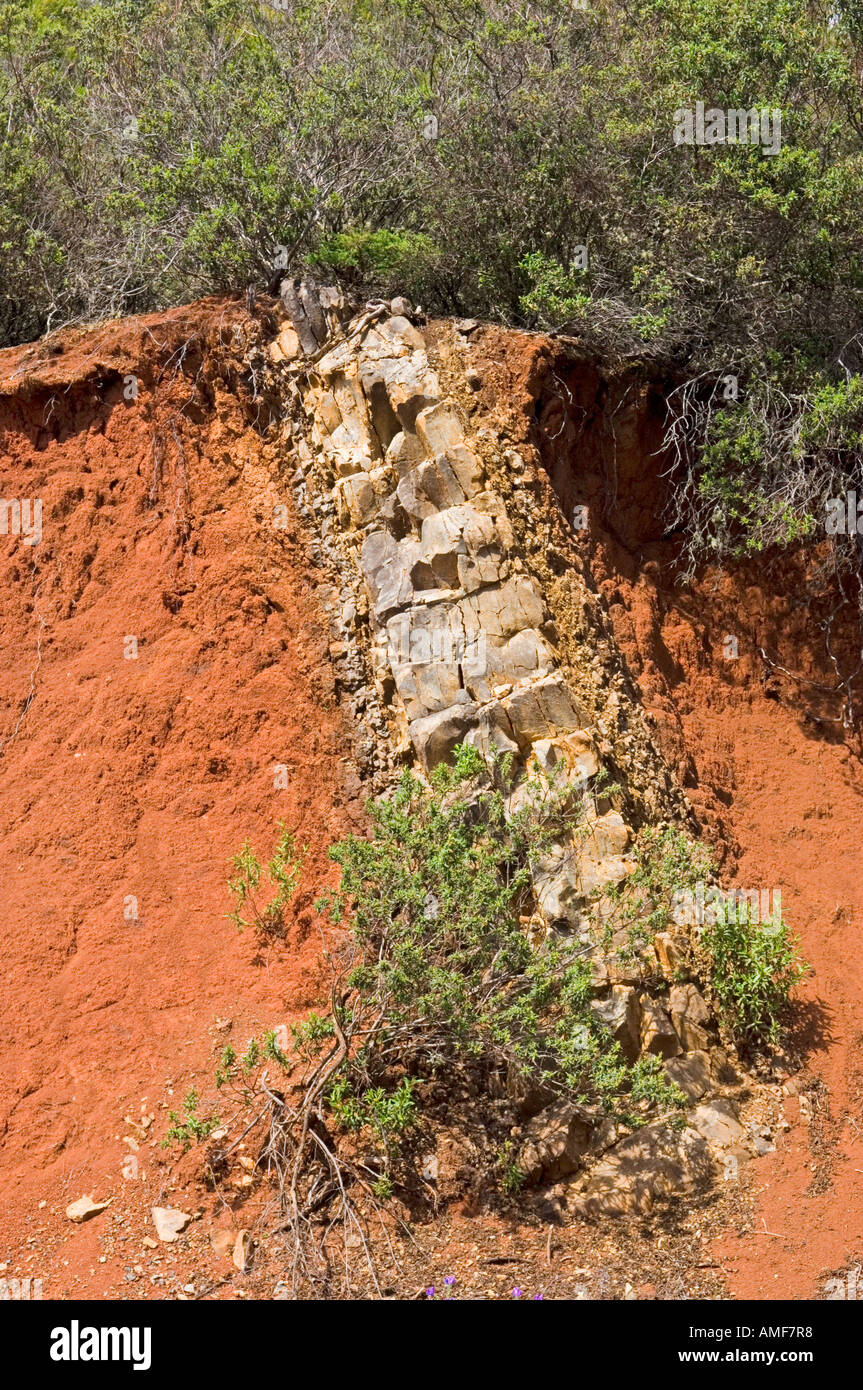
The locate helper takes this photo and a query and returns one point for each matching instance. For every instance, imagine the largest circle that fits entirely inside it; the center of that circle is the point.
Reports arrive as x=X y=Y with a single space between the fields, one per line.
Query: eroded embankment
x=166 y=691
x=169 y=688
x=757 y=732
x=476 y=621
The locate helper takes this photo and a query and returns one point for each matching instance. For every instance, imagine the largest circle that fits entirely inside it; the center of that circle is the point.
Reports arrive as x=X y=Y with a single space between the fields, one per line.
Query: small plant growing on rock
x=510 y=1172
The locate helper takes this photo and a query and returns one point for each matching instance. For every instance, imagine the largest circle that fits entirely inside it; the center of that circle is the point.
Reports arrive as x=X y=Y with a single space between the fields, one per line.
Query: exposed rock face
x=453 y=641
x=556 y=1142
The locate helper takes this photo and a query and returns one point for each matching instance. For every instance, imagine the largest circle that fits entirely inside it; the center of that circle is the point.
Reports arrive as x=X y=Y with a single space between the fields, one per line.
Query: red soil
x=137 y=778
x=774 y=776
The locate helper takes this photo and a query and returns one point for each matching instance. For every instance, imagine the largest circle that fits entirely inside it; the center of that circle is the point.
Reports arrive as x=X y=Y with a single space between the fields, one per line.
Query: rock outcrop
x=447 y=637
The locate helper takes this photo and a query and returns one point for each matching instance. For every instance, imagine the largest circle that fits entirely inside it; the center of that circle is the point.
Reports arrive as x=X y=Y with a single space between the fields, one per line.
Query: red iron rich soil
x=165 y=692
x=762 y=749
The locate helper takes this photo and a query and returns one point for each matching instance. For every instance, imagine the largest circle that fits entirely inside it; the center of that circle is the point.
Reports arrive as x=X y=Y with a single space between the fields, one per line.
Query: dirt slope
x=762 y=745
x=135 y=779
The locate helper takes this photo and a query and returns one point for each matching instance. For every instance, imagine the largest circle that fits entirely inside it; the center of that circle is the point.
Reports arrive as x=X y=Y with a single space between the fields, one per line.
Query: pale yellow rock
x=84 y=1208
x=223 y=1243
x=169 y=1222
x=242 y=1250
x=289 y=344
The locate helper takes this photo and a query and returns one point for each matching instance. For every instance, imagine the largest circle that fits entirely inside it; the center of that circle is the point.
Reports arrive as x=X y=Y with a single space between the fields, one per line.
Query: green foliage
x=382 y=261
x=444 y=973
x=187 y=1127
x=236 y=1069
x=388 y=1113
x=510 y=1174
x=283 y=872
x=556 y=295
x=754 y=967
x=156 y=150
x=667 y=861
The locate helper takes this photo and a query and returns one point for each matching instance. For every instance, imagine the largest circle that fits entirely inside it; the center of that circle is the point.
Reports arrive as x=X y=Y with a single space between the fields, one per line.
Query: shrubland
x=507 y=159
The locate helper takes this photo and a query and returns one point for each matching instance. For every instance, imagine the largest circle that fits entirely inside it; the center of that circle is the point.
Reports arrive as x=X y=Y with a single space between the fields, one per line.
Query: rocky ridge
x=443 y=633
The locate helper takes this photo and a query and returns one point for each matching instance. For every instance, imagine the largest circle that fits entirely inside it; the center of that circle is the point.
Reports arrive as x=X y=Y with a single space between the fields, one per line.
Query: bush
x=753 y=969
x=461 y=153
x=283 y=872
x=444 y=981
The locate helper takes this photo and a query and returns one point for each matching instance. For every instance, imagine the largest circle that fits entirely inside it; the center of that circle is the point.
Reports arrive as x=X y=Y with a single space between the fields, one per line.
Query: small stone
x=242 y=1250
x=222 y=1242
x=169 y=1222
x=84 y=1208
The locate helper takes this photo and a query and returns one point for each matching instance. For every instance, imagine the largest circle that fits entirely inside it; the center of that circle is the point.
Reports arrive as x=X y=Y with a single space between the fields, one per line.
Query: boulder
x=430 y=487
x=555 y=1142
x=541 y=710
x=557 y=883
x=718 y=1123
x=387 y=565
x=691 y=1073
x=439 y=428
x=655 y=1163
x=492 y=733
x=303 y=305
x=621 y=1015
x=658 y=1037
x=669 y=953
x=462 y=547
x=608 y=835
x=571 y=757
x=286 y=347
x=504 y=609
x=468 y=469
x=691 y=1017
x=359 y=496
x=408 y=382
x=435 y=736
x=404 y=452
x=603 y=858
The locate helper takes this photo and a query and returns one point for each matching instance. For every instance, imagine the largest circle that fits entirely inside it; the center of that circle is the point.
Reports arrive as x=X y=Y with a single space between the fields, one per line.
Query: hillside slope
x=170 y=687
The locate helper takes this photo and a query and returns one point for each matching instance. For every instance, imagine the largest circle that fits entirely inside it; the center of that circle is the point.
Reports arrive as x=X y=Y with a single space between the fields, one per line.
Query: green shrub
x=282 y=871
x=444 y=978
x=188 y=1128
x=753 y=969
x=381 y=261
